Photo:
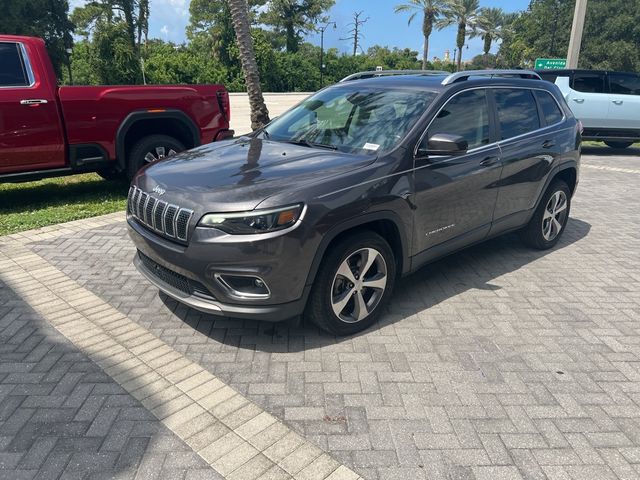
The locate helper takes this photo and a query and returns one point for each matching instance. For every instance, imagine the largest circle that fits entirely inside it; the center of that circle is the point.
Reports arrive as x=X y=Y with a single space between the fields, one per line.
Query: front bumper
x=188 y=273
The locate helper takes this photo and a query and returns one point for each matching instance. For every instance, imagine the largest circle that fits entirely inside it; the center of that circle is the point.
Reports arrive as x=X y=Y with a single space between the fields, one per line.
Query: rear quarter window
x=624 y=83
x=550 y=109
x=517 y=112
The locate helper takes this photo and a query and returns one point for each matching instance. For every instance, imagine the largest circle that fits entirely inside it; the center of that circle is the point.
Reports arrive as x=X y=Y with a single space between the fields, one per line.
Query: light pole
x=69 y=51
x=322 y=30
x=576 y=33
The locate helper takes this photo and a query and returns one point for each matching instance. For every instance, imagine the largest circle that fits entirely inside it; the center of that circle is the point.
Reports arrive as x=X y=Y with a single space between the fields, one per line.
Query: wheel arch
x=139 y=124
x=567 y=172
x=569 y=175
x=387 y=224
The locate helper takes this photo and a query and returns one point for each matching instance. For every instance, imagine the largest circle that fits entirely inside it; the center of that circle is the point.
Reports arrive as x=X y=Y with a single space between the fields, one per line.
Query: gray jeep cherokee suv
x=323 y=209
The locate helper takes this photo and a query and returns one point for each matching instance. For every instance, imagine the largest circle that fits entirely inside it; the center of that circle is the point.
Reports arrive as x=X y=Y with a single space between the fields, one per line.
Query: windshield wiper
x=307 y=143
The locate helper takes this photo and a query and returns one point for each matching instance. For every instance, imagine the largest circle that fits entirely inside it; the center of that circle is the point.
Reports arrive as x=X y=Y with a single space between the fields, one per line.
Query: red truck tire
x=150 y=149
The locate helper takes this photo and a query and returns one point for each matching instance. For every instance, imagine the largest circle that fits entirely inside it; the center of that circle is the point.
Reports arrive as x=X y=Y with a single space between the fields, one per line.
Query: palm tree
x=464 y=14
x=489 y=26
x=431 y=10
x=240 y=16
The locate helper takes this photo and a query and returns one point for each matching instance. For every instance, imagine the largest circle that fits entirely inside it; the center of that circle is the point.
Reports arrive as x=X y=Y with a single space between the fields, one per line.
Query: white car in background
x=607 y=103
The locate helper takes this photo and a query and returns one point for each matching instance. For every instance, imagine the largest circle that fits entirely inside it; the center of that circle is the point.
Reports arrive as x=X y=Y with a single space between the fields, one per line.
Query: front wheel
x=619 y=145
x=151 y=149
x=353 y=284
x=550 y=218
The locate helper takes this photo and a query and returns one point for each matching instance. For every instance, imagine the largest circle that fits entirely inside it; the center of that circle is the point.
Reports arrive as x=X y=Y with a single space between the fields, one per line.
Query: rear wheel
x=620 y=145
x=151 y=149
x=353 y=284
x=550 y=218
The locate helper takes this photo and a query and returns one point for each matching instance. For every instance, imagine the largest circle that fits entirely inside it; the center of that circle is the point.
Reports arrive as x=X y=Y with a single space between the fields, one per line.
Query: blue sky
x=169 y=19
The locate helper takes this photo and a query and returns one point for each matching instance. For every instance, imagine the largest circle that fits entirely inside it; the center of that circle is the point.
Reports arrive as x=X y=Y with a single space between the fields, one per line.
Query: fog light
x=245 y=286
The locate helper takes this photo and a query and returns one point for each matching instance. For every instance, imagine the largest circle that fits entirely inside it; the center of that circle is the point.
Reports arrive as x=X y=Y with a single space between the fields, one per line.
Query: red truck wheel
x=151 y=149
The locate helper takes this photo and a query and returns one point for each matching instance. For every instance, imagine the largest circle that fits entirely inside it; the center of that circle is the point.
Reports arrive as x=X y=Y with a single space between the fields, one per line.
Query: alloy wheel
x=554 y=216
x=158 y=153
x=359 y=285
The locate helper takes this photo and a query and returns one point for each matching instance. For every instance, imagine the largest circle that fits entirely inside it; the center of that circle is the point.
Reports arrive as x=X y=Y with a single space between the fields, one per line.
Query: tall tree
x=464 y=14
x=489 y=27
x=143 y=21
x=431 y=11
x=242 y=27
x=293 y=18
x=211 y=27
x=115 y=30
x=48 y=19
x=355 y=34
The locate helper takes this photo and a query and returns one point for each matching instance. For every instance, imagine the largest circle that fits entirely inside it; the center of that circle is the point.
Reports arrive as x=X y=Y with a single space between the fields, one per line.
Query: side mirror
x=443 y=144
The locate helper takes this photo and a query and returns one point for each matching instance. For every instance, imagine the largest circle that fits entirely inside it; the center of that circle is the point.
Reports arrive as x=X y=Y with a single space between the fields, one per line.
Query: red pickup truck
x=46 y=130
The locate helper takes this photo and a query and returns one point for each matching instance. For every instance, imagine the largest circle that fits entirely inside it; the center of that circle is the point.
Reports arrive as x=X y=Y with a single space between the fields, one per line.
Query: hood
x=239 y=174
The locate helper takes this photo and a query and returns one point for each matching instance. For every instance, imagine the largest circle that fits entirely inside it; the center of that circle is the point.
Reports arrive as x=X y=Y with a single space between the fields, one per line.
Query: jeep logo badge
x=159 y=190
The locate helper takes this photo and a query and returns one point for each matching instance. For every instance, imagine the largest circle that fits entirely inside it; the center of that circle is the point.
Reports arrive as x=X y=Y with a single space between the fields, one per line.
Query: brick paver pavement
x=62 y=417
x=498 y=362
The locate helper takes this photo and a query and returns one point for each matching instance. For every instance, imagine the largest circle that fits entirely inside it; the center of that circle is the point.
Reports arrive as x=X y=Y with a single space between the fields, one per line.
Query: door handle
x=33 y=101
x=549 y=144
x=489 y=161
x=578 y=100
x=618 y=102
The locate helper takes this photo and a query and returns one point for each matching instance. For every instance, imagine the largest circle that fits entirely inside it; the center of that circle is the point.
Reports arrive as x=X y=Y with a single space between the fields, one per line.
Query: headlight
x=256 y=221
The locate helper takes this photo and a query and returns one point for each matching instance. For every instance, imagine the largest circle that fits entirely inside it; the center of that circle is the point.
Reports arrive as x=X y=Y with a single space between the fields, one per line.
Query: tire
x=330 y=286
x=111 y=174
x=153 y=145
x=619 y=145
x=542 y=232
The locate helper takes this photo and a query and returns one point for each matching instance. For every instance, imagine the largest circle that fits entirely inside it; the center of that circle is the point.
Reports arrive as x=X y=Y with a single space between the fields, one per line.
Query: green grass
x=24 y=206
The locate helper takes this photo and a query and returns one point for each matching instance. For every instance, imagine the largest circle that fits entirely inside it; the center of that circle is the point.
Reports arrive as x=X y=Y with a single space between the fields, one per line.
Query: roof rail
x=459 y=76
x=388 y=73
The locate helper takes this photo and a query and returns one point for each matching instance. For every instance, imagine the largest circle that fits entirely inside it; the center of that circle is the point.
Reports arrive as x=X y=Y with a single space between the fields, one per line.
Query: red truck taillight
x=224 y=104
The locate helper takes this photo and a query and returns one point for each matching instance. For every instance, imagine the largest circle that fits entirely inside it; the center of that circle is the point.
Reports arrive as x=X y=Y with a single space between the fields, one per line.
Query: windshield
x=351 y=119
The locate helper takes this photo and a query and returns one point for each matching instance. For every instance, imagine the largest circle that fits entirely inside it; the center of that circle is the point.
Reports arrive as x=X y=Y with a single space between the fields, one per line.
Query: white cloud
x=164 y=30
x=76 y=3
x=181 y=7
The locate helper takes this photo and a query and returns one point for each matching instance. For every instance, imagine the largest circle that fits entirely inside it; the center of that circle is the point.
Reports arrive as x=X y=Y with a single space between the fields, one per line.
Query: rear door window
x=12 y=69
x=589 y=82
x=550 y=109
x=517 y=112
x=624 y=83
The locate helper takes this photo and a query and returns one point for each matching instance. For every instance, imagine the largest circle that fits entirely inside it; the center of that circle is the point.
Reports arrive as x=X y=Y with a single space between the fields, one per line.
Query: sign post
x=550 y=63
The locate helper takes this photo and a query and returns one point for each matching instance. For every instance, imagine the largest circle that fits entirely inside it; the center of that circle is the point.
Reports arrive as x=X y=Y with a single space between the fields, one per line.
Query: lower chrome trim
x=235 y=293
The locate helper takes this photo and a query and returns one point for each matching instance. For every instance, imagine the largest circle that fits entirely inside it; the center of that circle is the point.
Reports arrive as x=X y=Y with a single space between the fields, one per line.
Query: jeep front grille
x=158 y=215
